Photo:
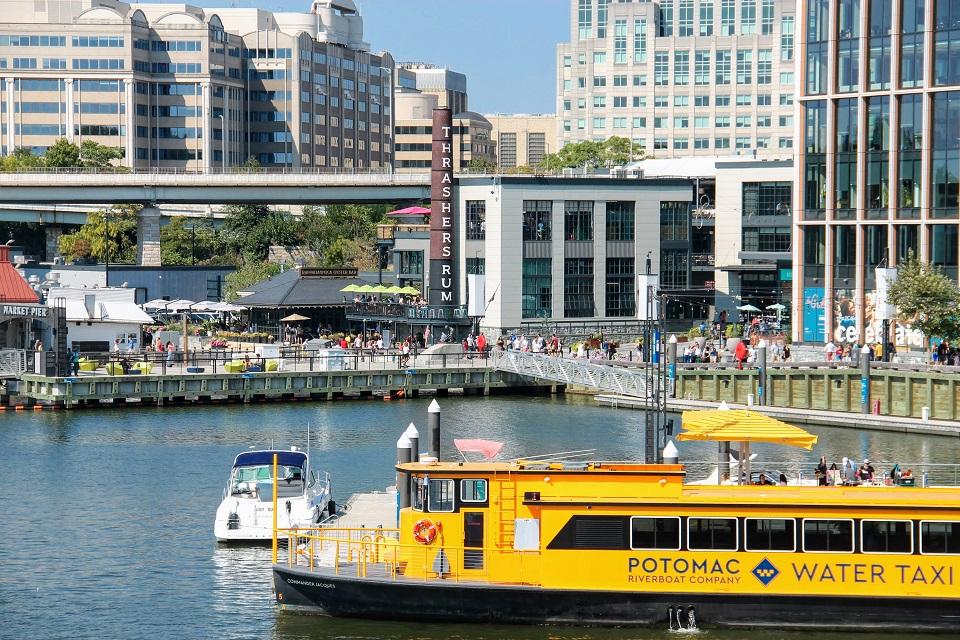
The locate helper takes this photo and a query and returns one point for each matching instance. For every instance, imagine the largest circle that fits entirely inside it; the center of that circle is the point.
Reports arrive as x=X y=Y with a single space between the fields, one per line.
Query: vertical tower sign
x=442 y=278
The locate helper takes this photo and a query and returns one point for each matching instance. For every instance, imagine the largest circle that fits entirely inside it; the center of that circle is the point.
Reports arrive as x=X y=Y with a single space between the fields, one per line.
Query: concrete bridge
x=234 y=186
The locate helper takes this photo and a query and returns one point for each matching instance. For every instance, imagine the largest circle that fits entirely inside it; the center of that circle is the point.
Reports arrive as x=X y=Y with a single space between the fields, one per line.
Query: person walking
x=481 y=343
x=75 y=361
x=170 y=351
x=740 y=354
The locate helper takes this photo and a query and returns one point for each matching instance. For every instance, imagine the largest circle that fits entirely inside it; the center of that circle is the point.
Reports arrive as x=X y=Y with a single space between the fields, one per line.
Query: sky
x=506 y=48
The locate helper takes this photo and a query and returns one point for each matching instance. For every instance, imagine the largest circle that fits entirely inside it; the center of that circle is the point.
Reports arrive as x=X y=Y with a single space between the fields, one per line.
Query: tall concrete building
x=680 y=77
x=523 y=139
x=878 y=169
x=175 y=85
x=449 y=86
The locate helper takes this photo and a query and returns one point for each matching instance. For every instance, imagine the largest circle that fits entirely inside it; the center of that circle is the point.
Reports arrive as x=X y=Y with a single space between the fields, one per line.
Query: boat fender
x=424 y=531
x=233 y=521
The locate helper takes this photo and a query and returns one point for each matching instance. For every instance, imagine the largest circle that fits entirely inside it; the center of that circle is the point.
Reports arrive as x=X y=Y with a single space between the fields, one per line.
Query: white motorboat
x=246 y=512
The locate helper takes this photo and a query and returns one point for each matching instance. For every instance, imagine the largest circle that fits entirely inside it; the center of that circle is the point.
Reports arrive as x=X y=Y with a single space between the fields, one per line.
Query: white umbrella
x=778 y=308
x=748 y=307
x=179 y=305
x=158 y=303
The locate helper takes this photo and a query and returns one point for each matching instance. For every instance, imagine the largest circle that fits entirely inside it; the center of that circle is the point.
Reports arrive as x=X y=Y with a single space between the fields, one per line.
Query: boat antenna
x=307 y=474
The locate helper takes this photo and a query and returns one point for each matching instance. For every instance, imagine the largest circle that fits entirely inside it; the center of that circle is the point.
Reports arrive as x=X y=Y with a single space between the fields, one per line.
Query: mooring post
x=672 y=365
x=865 y=379
x=433 y=429
x=762 y=375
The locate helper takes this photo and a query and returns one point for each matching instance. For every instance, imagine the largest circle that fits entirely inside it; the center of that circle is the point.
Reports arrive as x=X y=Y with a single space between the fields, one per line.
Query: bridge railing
x=619 y=380
x=352 y=171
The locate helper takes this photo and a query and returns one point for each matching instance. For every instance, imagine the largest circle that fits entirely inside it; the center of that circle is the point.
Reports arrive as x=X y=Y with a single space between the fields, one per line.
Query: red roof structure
x=13 y=288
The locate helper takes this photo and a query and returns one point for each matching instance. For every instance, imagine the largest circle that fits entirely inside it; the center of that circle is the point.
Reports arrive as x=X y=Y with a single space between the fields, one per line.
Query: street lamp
x=223 y=145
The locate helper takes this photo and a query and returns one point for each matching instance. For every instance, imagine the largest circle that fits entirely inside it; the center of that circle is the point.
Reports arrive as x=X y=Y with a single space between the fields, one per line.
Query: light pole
x=223 y=145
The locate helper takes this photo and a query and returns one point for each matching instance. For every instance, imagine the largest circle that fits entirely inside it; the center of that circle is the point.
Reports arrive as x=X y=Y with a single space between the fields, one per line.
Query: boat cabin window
x=419 y=497
x=654 y=533
x=441 y=495
x=832 y=536
x=245 y=479
x=939 y=537
x=704 y=534
x=472 y=490
x=770 y=534
x=886 y=536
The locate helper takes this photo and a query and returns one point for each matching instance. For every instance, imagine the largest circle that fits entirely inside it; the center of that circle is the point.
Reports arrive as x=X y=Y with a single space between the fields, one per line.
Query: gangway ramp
x=609 y=378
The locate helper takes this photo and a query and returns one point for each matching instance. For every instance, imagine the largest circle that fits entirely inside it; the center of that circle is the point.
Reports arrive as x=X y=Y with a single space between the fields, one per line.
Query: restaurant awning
x=742 y=425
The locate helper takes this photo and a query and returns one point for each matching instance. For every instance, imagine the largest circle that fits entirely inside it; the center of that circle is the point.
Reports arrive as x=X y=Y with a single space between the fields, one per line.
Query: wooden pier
x=179 y=387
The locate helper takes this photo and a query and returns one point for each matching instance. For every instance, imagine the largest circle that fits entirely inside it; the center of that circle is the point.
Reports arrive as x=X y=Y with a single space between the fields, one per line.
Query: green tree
x=107 y=235
x=21 y=158
x=185 y=241
x=249 y=230
x=249 y=272
x=94 y=154
x=62 y=154
x=481 y=165
x=344 y=235
x=612 y=152
x=926 y=299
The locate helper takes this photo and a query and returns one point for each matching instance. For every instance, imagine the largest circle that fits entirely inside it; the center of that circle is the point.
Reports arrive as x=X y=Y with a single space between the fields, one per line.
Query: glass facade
x=537 y=220
x=620 y=221
x=621 y=300
x=476 y=211
x=578 y=220
x=578 y=288
x=536 y=288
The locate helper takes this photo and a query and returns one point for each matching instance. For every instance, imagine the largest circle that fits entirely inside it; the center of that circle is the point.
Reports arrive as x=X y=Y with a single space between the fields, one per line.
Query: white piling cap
x=404 y=442
x=434 y=407
x=411 y=431
x=866 y=349
x=673 y=339
x=723 y=406
x=670 y=451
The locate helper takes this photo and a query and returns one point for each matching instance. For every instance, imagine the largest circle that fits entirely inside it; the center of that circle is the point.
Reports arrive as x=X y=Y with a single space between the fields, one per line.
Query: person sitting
x=247 y=364
x=783 y=480
x=125 y=365
x=865 y=472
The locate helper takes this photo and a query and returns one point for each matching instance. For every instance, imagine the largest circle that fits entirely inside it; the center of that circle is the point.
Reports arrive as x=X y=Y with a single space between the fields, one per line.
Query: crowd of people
x=850 y=473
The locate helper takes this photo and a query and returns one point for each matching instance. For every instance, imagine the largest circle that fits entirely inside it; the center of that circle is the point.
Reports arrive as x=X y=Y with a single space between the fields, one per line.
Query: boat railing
x=802 y=472
x=377 y=553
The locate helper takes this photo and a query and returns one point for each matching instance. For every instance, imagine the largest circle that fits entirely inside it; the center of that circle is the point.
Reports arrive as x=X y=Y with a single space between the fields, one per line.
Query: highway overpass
x=238 y=186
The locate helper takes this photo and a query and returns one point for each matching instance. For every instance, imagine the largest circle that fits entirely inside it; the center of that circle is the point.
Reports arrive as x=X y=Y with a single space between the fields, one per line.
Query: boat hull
x=448 y=601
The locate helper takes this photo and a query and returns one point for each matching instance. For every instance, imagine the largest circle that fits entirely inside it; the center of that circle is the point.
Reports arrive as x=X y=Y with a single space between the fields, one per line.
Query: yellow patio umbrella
x=741 y=425
x=745 y=427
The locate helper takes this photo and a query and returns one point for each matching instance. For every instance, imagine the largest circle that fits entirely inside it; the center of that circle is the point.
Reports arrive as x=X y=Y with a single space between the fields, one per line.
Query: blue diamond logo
x=765 y=572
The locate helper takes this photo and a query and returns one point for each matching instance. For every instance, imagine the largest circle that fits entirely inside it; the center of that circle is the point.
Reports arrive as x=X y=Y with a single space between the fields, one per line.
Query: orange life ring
x=424 y=531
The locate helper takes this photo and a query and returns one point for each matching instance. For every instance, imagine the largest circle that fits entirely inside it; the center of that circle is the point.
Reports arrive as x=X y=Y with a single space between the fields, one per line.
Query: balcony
x=387 y=233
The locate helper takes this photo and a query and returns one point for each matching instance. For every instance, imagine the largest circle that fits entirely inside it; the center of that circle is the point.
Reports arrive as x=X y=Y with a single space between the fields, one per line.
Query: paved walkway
x=813 y=417
x=370 y=510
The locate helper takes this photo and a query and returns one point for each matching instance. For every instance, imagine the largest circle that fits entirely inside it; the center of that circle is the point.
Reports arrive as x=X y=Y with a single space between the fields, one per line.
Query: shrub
x=694 y=333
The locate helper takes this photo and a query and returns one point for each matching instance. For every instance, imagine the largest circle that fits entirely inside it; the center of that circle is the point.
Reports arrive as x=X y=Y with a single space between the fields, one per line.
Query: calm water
x=107 y=522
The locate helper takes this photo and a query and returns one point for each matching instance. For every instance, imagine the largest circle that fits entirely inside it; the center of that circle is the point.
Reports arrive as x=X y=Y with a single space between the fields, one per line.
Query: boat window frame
x=889 y=553
x=853 y=535
x=736 y=532
x=934 y=553
x=453 y=496
x=486 y=490
x=679 y=533
x=417 y=501
x=792 y=521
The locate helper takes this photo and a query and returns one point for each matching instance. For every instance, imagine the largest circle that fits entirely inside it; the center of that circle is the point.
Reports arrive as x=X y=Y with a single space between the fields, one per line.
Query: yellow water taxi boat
x=610 y=543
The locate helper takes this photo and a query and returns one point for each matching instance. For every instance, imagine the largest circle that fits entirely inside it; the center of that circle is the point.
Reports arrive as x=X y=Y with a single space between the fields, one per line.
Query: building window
x=665 y=18
x=767 y=198
x=786 y=38
x=639 y=40
x=536 y=288
x=913 y=23
x=578 y=288
x=507 y=150
x=702 y=68
x=910 y=142
x=728 y=17
x=411 y=262
x=745 y=67
x=537 y=218
x=578 y=220
x=476 y=219
x=602 y=18
x=878 y=147
x=585 y=19
x=706 y=17
x=723 y=67
x=881 y=27
x=685 y=19
x=620 y=41
x=674 y=266
x=620 y=221
x=765 y=66
x=661 y=68
x=620 y=295
x=815 y=143
x=681 y=67
x=748 y=17
x=476 y=266
x=674 y=221
x=766 y=17
x=766 y=239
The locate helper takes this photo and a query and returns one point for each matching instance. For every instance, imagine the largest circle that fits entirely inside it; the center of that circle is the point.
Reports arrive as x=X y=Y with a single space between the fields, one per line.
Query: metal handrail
x=620 y=380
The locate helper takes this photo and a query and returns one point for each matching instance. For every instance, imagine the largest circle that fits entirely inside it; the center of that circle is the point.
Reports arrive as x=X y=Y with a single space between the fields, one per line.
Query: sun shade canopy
x=740 y=425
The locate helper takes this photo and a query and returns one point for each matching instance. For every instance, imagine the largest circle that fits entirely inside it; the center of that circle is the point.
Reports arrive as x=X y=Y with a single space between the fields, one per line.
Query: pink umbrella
x=410 y=211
